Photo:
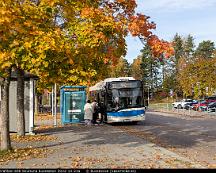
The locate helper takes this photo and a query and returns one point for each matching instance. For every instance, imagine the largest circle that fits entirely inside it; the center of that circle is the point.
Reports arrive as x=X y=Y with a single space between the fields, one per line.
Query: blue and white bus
x=123 y=99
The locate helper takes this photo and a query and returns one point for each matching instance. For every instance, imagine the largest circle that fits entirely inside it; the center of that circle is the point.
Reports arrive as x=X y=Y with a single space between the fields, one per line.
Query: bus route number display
x=131 y=84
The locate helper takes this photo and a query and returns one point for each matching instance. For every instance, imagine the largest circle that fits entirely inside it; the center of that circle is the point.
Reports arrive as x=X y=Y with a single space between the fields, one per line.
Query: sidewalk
x=79 y=146
x=184 y=113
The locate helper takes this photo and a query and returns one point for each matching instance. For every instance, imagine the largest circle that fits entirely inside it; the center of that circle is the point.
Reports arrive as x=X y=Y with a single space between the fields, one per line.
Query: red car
x=200 y=105
x=211 y=99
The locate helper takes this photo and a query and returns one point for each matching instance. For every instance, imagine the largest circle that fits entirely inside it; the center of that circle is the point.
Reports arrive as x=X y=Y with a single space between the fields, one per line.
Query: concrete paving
x=104 y=146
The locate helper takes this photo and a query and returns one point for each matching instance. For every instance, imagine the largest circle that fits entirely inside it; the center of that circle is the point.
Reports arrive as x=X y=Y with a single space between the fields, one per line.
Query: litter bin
x=72 y=101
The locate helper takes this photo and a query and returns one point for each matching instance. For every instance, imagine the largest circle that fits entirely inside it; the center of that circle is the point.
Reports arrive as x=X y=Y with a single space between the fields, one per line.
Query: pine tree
x=189 y=47
x=205 y=49
x=149 y=68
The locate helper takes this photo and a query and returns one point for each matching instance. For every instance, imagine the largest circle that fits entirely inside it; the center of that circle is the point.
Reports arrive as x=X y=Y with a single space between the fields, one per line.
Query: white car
x=181 y=104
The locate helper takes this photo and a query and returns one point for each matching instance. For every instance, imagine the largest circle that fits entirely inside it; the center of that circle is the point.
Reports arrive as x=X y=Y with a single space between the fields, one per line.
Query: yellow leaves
x=28 y=23
x=42 y=117
x=24 y=154
x=73 y=78
x=4 y=20
x=3 y=55
x=33 y=60
x=34 y=138
x=15 y=43
x=90 y=12
x=29 y=152
x=3 y=12
x=6 y=65
x=27 y=45
x=48 y=2
x=197 y=71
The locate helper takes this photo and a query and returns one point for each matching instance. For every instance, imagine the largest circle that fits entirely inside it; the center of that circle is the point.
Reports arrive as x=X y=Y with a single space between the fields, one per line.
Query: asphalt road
x=194 y=138
x=162 y=141
x=105 y=146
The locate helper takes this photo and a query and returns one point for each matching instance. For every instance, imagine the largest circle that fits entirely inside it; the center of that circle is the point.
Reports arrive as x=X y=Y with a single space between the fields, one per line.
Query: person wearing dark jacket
x=102 y=112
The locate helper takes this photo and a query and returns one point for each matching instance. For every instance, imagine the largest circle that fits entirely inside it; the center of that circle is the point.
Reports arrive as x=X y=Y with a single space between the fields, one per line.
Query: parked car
x=211 y=98
x=188 y=106
x=212 y=107
x=181 y=104
x=201 y=105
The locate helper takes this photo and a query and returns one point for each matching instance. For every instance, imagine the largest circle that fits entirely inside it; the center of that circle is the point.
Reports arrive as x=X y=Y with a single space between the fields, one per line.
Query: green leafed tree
x=189 y=47
x=205 y=49
x=150 y=68
x=121 y=69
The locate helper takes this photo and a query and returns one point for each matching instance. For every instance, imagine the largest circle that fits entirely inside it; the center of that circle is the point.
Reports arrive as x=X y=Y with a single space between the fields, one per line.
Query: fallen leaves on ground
x=30 y=138
x=150 y=137
x=23 y=154
x=141 y=134
x=41 y=117
x=45 y=127
x=86 y=162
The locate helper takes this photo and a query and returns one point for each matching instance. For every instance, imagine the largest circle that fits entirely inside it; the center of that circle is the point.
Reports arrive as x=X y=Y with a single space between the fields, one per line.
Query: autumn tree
x=99 y=29
x=64 y=41
x=28 y=37
x=4 y=115
x=136 y=71
x=121 y=69
x=198 y=77
x=184 y=51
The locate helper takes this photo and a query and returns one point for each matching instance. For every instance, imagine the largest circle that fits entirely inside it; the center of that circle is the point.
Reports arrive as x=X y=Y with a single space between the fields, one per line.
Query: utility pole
x=52 y=100
x=55 y=106
x=199 y=94
x=148 y=95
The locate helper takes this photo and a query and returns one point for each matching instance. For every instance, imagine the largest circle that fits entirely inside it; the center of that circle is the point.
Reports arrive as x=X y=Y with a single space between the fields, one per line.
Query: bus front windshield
x=124 y=98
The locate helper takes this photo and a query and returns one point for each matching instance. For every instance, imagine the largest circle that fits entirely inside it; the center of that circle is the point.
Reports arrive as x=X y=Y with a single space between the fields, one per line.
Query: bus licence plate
x=126 y=120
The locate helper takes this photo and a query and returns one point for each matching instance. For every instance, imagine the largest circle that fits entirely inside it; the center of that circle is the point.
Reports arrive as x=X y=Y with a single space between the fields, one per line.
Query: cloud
x=173 y=5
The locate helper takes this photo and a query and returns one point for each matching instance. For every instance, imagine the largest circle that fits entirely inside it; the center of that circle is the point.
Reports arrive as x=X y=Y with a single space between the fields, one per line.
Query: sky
x=195 y=17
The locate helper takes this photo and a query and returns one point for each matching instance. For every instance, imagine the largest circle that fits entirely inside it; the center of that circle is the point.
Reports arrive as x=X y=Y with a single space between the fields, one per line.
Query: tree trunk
x=20 y=103
x=4 y=118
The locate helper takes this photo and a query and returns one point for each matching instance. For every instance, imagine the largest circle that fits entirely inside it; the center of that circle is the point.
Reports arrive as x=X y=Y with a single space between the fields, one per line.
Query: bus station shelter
x=29 y=97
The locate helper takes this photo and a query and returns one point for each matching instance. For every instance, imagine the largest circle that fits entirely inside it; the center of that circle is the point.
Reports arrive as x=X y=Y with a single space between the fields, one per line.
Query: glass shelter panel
x=74 y=107
x=72 y=99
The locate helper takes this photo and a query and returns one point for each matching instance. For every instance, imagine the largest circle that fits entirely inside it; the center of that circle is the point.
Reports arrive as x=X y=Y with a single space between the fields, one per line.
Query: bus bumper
x=113 y=119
